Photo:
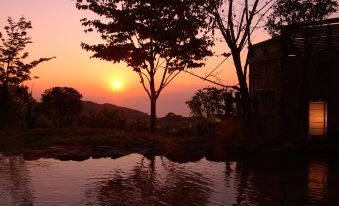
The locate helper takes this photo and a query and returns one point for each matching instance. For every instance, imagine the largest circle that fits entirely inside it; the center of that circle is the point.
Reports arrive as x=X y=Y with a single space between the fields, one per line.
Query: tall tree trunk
x=153 y=97
x=153 y=113
x=245 y=96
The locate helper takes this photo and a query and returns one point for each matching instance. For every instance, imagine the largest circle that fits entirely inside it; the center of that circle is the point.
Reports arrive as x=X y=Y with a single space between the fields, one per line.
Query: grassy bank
x=88 y=142
x=83 y=143
x=71 y=136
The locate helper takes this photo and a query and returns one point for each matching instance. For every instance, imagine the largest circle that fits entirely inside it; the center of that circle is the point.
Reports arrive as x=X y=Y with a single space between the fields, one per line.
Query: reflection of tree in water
x=239 y=182
x=15 y=185
x=272 y=181
x=243 y=183
x=254 y=181
x=283 y=181
x=154 y=182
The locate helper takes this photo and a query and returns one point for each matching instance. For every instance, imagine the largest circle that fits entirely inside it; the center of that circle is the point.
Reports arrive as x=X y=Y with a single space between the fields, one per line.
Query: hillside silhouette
x=89 y=106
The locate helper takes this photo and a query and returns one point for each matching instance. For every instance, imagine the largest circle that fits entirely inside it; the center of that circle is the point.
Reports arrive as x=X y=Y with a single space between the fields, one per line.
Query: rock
x=184 y=154
x=33 y=154
x=150 y=153
x=117 y=154
x=101 y=151
x=76 y=153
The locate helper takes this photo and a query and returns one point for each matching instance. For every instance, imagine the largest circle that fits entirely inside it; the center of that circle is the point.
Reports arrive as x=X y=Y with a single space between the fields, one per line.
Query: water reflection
x=276 y=181
x=135 y=180
x=15 y=185
x=155 y=182
x=317 y=181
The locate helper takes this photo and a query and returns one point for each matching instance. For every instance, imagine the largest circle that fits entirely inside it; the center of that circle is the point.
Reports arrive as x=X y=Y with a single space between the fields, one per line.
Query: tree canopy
x=15 y=99
x=13 y=69
x=156 y=38
x=62 y=105
x=294 y=12
x=208 y=102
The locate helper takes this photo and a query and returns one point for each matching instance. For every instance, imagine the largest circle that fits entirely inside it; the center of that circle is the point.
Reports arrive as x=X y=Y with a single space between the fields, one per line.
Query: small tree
x=158 y=39
x=13 y=70
x=16 y=107
x=295 y=12
x=61 y=105
x=207 y=102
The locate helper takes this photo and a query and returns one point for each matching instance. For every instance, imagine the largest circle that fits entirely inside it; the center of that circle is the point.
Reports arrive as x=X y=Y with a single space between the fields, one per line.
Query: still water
x=135 y=180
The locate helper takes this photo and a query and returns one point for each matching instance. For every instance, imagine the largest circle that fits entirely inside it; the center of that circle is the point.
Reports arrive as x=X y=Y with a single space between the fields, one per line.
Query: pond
x=135 y=180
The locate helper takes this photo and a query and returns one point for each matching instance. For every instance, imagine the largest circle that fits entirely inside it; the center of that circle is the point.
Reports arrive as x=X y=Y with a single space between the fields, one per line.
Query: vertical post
x=228 y=104
x=305 y=83
x=329 y=37
x=238 y=103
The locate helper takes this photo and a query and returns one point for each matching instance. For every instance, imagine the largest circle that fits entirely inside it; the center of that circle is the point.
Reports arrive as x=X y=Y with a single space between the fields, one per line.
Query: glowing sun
x=117 y=85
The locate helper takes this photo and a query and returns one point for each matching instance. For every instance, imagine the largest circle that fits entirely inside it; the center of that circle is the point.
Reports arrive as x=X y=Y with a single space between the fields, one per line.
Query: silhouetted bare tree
x=237 y=20
x=158 y=39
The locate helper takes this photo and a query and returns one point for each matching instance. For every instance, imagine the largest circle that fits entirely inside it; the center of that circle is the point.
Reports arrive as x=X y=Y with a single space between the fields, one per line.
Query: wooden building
x=294 y=82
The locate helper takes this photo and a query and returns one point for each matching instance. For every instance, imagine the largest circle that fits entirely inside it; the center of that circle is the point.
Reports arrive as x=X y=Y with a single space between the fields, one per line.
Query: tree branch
x=163 y=77
x=266 y=4
x=168 y=80
x=143 y=84
x=143 y=73
x=262 y=16
x=248 y=22
x=203 y=78
x=230 y=20
x=240 y=25
x=157 y=64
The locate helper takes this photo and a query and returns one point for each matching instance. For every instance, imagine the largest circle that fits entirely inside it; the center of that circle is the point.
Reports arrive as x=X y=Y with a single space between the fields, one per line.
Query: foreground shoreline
x=80 y=144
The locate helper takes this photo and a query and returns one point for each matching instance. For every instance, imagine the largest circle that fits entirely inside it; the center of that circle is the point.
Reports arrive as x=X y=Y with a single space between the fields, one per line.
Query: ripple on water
x=135 y=180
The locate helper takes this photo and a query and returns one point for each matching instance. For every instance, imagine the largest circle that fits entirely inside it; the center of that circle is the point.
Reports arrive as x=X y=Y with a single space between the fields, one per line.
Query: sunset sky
x=57 y=32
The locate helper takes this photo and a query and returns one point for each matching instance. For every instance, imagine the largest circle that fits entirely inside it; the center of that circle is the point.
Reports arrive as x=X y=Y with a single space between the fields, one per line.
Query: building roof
x=325 y=37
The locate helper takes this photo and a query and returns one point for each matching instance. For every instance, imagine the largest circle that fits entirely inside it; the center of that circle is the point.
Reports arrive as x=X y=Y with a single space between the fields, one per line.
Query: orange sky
x=57 y=32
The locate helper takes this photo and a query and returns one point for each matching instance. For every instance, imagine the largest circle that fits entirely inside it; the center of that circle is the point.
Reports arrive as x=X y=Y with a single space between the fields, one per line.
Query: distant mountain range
x=128 y=113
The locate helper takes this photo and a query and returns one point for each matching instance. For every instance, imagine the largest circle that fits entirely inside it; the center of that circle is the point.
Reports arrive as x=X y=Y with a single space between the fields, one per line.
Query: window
x=317 y=122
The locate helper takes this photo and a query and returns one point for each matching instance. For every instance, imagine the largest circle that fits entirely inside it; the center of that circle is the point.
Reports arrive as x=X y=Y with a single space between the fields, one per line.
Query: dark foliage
x=16 y=107
x=106 y=118
x=13 y=70
x=15 y=101
x=211 y=101
x=295 y=12
x=61 y=106
x=158 y=39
